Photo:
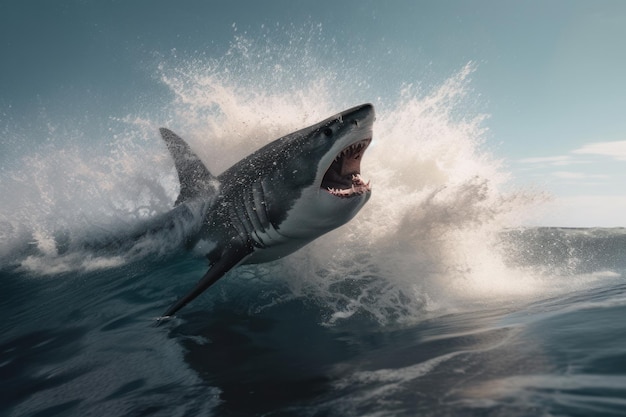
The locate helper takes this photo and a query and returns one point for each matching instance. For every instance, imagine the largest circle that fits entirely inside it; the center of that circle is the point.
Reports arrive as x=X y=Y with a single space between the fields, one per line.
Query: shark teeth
x=353 y=150
x=359 y=187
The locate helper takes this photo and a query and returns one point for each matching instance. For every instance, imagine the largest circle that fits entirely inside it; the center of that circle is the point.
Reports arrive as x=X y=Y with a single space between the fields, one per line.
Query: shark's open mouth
x=343 y=178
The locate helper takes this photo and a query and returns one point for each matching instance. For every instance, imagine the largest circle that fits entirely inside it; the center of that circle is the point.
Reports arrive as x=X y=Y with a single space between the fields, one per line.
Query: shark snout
x=359 y=115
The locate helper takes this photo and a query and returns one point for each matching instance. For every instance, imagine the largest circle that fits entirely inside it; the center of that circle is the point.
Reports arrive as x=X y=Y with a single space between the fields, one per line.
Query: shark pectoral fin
x=236 y=251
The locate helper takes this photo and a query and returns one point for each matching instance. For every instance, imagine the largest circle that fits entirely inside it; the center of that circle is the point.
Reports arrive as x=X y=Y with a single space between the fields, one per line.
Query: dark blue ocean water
x=431 y=302
x=77 y=344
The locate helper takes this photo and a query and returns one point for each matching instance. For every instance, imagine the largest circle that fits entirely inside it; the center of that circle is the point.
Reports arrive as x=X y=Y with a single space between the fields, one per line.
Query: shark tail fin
x=195 y=179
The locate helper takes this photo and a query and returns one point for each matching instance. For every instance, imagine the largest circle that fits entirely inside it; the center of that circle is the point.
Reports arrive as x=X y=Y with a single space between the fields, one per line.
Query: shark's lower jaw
x=358 y=187
x=343 y=178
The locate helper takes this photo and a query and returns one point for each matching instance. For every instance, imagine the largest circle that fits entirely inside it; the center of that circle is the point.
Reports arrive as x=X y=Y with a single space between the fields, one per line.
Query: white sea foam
x=427 y=240
x=429 y=235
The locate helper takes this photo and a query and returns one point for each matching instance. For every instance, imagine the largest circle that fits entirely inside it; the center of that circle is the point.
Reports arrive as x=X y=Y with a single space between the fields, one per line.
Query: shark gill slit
x=244 y=217
x=252 y=213
x=258 y=197
x=236 y=222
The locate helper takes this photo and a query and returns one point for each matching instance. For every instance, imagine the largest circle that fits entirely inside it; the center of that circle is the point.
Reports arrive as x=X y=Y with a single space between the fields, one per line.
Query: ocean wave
x=429 y=240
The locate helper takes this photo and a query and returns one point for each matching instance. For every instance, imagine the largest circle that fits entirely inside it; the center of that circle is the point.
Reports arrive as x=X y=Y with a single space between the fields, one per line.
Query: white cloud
x=577 y=175
x=568 y=175
x=550 y=160
x=616 y=149
x=559 y=160
x=583 y=211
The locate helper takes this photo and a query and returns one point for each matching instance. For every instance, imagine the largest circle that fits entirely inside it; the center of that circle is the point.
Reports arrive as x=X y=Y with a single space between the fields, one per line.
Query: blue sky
x=549 y=73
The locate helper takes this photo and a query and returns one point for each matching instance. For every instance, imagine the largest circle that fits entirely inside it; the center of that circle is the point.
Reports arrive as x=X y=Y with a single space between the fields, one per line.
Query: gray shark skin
x=276 y=200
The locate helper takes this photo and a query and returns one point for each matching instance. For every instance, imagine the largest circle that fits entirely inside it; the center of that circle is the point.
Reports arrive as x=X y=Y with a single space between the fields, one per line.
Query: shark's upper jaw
x=343 y=177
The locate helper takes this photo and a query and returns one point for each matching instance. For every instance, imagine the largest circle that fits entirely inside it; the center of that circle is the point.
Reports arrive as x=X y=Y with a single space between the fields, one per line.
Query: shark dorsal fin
x=195 y=179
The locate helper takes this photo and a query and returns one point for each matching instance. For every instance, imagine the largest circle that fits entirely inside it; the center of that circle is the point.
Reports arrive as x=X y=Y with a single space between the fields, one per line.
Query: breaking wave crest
x=428 y=240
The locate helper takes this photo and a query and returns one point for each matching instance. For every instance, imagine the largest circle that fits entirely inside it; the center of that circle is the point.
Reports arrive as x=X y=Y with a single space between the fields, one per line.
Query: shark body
x=276 y=200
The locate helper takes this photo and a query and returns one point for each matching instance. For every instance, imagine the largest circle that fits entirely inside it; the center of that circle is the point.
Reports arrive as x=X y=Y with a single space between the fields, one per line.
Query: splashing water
x=427 y=239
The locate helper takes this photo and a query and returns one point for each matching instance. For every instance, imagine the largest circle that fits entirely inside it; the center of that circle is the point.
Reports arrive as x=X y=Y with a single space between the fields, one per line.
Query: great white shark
x=276 y=200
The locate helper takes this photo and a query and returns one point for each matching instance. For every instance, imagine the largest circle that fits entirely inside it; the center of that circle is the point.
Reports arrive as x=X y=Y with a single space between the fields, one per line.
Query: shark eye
x=328 y=132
